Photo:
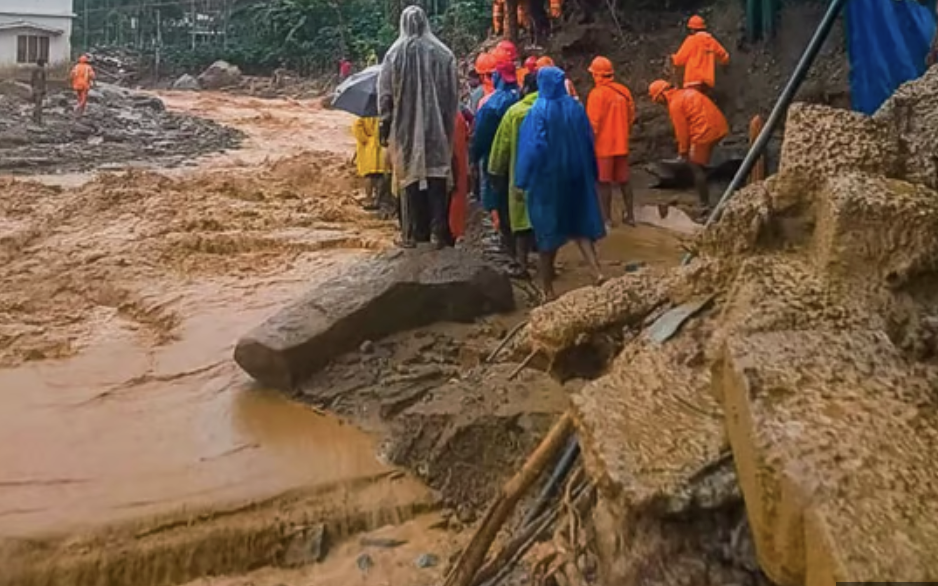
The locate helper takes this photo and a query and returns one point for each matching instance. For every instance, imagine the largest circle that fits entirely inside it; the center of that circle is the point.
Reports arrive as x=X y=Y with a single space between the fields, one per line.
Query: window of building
x=31 y=48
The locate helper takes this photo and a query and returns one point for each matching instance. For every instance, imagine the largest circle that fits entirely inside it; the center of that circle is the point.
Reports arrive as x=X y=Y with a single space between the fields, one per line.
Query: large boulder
x=220 y=74
x=389 y=293
x=187 y=82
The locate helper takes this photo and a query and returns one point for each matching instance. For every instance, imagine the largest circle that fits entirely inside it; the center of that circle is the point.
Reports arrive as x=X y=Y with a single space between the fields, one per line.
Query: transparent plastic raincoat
x=418 y=95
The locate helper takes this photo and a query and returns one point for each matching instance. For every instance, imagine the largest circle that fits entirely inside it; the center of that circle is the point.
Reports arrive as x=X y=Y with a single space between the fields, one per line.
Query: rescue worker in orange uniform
x=611 y=111
x=546 y=61
x=82 y=78
x=698 y=127
x=699 y=55
x=485 y=67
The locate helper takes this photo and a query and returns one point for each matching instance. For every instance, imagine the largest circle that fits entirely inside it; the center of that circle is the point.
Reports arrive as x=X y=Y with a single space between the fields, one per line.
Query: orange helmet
x=485 y=64
x=601 y=66
x=545 y=61
x=83 y=59
x=657 y=89
x=696 y=23
x=508 y=49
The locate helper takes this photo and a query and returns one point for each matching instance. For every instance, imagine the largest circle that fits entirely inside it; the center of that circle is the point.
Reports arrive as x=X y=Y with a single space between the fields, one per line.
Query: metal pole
x=781 y=107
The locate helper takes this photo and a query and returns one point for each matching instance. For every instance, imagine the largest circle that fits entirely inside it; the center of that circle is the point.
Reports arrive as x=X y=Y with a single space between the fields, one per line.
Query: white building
x=34 y=29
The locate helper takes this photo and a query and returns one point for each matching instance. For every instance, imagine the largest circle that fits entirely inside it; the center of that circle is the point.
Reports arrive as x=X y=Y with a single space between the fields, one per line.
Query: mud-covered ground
x=119 y=127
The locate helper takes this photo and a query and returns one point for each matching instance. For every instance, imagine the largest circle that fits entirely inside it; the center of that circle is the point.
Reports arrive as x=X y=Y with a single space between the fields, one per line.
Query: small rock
x=364 y=563
x=447 y=513
x=187 y=82
x=367 y=347
x=427 y=560
x=306 y=546
x=465 y=515
x=455 y=525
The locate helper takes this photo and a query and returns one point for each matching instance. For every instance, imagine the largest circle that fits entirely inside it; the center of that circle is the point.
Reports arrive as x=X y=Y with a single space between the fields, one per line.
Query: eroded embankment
x=288 y=530
x=799 y=402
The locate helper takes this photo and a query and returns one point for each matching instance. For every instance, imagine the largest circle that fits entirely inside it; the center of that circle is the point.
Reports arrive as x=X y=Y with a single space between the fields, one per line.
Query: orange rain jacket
x=698 y=56
x=611 y=111
x=696 y=119
x=459 y=201
x=82 y=75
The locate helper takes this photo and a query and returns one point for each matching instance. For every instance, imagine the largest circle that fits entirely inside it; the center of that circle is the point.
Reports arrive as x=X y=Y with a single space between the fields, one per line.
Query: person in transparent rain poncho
x=418 y=98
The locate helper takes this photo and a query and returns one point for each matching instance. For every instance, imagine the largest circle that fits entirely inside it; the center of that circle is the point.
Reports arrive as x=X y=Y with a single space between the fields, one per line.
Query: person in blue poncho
x=556 y=168
x=488 y=118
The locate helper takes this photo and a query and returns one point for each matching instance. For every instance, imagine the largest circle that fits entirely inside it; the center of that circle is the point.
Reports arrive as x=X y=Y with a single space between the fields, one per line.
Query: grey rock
x=220 y=74
x=187 y=82
x=306 y=545
x=390 y=293
x=427 y=560
x=364 y=563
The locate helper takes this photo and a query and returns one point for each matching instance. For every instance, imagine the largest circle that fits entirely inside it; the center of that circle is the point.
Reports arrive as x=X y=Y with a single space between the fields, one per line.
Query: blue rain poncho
x=419 y=93
x=556 y=166
x=488 y=118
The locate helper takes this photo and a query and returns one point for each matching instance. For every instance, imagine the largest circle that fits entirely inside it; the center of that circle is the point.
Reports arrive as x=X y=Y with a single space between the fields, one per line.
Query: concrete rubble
x=789 y=432
x=390 y=293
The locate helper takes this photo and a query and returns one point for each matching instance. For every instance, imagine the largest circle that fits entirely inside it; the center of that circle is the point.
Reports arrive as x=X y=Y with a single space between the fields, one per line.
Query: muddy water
x=123 y=430
x=130 y=427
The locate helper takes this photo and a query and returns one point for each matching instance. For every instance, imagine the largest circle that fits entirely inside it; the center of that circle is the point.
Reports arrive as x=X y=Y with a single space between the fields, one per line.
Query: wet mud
x=123 y=295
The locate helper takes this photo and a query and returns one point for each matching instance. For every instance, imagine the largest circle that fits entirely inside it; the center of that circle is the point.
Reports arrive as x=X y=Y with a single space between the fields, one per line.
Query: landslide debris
x=789 y=431
x=119 y=126
x=70 y=257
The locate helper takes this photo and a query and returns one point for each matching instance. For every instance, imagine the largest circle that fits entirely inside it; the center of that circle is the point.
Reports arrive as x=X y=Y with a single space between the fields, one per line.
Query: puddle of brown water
x=123 y=431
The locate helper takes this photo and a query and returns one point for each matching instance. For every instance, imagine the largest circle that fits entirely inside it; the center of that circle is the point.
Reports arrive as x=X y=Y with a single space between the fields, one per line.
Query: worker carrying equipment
x=699 y=55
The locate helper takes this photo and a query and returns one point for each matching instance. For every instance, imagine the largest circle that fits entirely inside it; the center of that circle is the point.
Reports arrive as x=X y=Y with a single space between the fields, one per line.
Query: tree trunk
x=511 y=8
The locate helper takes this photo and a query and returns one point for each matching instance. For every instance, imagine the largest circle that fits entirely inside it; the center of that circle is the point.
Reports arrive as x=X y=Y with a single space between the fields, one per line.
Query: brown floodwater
x=122 y=430
x=146 y=419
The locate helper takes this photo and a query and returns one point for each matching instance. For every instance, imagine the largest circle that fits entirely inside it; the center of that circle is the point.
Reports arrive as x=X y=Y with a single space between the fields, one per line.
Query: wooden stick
x=523 y=365
x=758 y=170
x=499 y=511
x=514 y=332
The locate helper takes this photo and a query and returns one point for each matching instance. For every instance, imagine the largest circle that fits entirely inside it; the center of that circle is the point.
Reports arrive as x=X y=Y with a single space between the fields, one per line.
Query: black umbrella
x=359 y=93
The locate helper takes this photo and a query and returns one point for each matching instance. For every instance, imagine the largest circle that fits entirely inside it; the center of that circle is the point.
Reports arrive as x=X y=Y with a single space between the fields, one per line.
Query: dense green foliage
x=308 y=36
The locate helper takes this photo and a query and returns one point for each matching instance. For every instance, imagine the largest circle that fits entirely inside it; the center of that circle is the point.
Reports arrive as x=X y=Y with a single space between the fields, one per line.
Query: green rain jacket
x=502 y=159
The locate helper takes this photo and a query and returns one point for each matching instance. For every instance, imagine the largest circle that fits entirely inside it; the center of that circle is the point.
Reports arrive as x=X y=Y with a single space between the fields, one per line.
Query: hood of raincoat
x=419 y=94
x=551 y=83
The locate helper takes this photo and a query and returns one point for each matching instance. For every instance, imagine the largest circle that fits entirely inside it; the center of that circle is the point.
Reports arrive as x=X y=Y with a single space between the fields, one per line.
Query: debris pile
x=119 y=126
x=789 y=430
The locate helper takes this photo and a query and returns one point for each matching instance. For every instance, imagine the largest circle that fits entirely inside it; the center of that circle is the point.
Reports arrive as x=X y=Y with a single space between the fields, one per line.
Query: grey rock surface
x=390 y=293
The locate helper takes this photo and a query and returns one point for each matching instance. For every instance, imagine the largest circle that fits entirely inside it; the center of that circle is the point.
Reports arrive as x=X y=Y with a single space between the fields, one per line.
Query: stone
x=306 y=546
x=187 y=83
x=389 y=293
x=364 y=563
x=149 y=102
x=427 y=560
x=834 y=438
x=219 y=75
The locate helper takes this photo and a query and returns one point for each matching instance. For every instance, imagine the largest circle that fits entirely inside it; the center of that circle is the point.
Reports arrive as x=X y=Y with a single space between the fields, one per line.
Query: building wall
x=55 y=14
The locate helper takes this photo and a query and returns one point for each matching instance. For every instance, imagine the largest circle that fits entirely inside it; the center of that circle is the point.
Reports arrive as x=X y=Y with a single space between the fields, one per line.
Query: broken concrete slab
x=389 y=293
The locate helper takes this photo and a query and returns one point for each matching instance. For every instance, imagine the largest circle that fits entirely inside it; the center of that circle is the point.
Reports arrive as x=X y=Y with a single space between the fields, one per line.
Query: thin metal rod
x=556 y=478
x=780 y=109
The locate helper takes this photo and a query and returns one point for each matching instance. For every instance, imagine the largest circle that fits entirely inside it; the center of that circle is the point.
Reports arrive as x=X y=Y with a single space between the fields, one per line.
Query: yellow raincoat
x=369 y=153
